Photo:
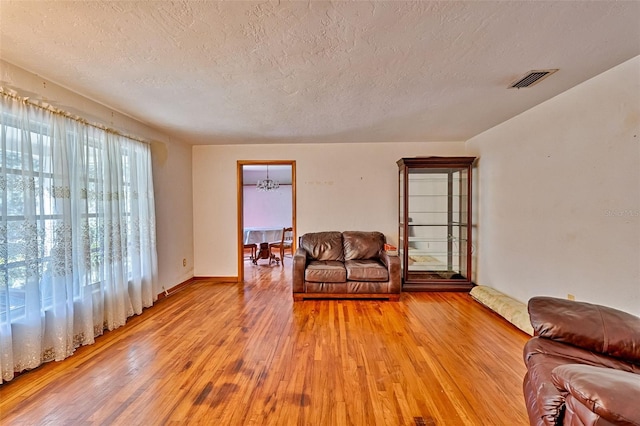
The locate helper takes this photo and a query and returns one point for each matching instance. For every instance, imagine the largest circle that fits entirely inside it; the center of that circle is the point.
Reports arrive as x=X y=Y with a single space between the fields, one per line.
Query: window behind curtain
x=77 y=233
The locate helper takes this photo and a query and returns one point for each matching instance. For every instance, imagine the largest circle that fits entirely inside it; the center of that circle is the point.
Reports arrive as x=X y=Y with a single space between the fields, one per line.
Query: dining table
x=262 y=235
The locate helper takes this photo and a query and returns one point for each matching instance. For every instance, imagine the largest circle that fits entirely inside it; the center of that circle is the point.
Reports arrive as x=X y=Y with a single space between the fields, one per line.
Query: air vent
x=531 y=78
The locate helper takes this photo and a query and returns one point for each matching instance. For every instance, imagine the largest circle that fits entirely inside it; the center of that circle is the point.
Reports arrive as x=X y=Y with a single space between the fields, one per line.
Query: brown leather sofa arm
x=597 y=394
x=393 y=266
x=299 y=264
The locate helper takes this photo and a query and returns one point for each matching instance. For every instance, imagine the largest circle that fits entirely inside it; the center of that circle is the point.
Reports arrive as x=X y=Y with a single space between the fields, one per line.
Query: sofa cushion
x=325 y=271
x=366 y=270
x=593 y=327
x=323 y=245
x=362 y=245
x=577 y=414
x=611 y=394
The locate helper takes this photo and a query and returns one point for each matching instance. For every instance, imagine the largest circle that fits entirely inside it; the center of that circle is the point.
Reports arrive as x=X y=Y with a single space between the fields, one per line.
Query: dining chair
x=286 y=242
x=253 y=248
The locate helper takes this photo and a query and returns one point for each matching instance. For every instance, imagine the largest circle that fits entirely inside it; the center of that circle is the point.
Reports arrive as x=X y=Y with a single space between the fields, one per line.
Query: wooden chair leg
x=273 y=257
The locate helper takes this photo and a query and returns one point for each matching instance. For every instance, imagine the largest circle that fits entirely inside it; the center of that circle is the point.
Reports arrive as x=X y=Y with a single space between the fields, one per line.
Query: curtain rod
x=9 y=93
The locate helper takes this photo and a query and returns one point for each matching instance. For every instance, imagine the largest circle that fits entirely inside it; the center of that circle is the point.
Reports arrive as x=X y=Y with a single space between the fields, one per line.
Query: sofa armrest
x=299 y=264
x=609 y=393
x=393 y=266
x=593 y=327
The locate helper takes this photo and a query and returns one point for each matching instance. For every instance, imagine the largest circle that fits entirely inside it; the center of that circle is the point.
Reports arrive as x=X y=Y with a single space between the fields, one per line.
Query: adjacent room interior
x=268 y=210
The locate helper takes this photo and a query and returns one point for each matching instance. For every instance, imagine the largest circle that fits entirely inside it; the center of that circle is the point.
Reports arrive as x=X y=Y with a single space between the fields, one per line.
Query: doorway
x=263 y=213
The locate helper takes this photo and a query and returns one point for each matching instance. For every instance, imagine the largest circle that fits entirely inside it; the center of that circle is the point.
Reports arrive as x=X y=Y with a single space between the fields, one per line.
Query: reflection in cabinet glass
x=435 y=223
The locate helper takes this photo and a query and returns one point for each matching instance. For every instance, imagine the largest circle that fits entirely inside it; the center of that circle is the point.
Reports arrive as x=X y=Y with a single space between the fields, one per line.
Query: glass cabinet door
x=435 y=224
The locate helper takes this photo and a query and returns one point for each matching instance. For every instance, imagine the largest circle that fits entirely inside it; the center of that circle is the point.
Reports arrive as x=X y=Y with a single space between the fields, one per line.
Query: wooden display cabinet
x=434 y=241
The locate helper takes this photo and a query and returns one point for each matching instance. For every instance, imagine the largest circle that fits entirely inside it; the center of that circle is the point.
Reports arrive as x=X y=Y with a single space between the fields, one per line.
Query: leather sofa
x=583 y=364
x=350 y=264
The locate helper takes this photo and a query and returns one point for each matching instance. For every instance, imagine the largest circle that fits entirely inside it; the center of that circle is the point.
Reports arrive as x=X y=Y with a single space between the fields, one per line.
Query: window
x=77 y=231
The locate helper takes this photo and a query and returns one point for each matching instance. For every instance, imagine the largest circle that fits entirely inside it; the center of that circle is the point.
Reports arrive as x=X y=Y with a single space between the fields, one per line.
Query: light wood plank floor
x=228 y=354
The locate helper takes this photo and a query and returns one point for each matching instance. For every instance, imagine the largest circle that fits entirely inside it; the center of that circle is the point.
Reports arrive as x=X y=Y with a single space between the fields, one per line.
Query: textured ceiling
x=315 y=71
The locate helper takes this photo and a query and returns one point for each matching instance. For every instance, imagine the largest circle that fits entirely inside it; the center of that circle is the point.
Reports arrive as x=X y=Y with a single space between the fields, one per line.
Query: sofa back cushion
x=362 y=245
x=596 y=328
x=323 y=245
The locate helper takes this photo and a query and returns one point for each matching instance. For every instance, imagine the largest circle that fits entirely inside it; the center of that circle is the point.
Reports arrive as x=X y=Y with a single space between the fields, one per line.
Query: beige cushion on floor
x=509 y=308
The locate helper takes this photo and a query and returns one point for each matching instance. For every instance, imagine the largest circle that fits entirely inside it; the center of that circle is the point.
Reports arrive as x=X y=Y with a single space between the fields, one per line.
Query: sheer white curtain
x=77 y=234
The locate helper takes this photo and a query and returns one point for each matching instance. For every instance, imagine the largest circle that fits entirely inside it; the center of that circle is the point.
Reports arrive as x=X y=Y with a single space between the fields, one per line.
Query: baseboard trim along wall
x=192 y=280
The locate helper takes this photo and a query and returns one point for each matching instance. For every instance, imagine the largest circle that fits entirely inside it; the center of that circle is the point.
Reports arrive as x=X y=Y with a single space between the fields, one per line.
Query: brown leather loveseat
x=346 y=265
x=583 y=364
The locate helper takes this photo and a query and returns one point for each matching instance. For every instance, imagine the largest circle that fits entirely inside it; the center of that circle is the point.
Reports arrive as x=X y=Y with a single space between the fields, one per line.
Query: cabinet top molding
x=436 y=161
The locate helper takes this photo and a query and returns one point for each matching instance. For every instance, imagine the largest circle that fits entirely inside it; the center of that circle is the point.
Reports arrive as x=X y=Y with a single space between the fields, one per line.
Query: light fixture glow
x=267 y=184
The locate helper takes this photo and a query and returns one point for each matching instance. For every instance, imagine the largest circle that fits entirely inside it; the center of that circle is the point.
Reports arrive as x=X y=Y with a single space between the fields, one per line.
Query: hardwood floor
x=222 y=354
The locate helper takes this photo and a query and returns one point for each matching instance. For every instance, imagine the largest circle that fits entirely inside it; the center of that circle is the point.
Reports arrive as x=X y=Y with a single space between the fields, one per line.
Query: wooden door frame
x=240 y=197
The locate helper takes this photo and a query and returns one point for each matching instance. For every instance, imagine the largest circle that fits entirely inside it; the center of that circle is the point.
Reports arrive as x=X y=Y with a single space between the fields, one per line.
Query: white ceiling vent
x=531 y=78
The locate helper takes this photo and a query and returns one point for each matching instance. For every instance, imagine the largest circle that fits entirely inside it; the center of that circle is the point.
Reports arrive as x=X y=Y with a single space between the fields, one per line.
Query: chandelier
x=267 y=184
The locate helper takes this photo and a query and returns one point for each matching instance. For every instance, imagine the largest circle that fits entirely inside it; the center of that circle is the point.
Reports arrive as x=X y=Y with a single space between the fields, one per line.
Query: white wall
x=267 y=209
x=172 y=182
x=559 y=195
x=171 y=169
x=339 y=187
